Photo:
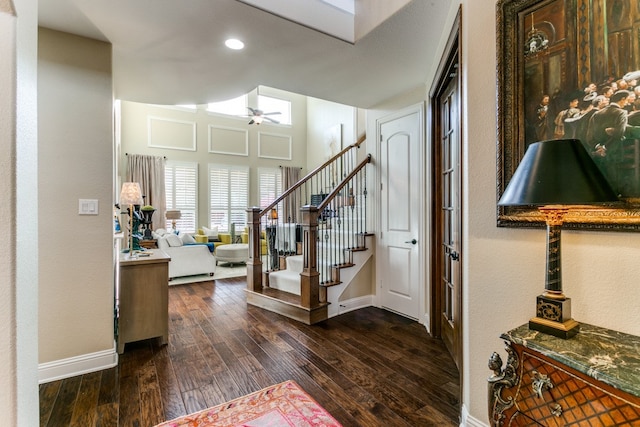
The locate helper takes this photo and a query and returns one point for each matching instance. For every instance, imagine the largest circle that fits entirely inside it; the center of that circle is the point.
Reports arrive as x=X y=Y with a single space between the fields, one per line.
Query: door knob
x=413 y=242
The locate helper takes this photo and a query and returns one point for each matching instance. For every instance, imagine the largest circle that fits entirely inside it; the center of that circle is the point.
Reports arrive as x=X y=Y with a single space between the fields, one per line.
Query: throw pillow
x=187 y=239
x=173 y=240
x=211 y=232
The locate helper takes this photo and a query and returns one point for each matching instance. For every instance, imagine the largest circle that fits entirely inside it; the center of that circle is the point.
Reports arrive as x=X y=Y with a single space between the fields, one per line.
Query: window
x=269 y=185
x=228 y=196
x=268 y=105
x=181 y=186
x=231 y=107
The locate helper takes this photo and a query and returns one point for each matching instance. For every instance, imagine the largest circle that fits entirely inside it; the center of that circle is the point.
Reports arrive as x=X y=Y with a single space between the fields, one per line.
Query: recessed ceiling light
x=234 y=44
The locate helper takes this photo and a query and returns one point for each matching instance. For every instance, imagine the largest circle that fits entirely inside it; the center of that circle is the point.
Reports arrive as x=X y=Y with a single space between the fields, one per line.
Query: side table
x=591 y=379
x=143 y=304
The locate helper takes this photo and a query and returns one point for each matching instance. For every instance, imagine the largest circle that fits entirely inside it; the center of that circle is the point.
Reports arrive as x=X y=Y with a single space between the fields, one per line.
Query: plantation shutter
x=269 y=185
x=181 y=186
x=228 y=196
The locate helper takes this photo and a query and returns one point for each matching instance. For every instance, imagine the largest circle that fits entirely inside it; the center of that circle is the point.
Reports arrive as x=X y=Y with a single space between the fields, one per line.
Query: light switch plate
x=88 y=206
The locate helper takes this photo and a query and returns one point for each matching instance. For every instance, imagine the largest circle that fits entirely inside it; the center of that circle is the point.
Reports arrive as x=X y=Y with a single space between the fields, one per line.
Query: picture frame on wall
x=556 y=61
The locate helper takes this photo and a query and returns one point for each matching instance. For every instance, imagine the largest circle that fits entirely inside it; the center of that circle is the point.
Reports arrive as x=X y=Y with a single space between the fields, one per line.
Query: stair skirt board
x=290 y=310
x=351 y=304
x=304 y=315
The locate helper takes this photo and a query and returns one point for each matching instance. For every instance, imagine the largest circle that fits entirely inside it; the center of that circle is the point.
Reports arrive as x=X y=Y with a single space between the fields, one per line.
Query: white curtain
x=148 y=171
x=291 y=205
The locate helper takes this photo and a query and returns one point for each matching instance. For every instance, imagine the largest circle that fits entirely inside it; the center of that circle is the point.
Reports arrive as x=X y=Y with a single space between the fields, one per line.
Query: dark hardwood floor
x=367 y=368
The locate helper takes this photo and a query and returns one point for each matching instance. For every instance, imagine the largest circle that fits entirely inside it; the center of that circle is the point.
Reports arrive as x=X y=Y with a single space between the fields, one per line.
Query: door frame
x=423 y=248
x=451 y=53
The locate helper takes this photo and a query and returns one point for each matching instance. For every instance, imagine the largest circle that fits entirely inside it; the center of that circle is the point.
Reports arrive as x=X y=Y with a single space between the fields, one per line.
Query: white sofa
x=186 y=259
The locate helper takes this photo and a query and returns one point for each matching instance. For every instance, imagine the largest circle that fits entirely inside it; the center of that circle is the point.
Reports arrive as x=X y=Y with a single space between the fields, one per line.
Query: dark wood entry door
x=447 y=188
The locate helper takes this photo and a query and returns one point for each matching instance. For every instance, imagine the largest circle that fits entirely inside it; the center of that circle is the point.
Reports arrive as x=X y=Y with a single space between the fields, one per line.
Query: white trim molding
x=170 y=132
x=469 y=421
x=77 y=365
x=228 y=140
x=274 y=146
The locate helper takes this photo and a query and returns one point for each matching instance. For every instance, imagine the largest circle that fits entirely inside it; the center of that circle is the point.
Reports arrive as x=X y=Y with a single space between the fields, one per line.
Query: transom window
x=268 y=104
x=231 y=107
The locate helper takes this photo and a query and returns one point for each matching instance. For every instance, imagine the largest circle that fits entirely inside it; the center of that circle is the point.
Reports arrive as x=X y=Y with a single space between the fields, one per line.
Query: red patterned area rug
x=281 y=405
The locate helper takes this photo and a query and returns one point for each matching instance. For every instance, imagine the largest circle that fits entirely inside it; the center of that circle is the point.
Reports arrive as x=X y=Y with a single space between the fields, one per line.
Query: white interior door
x=399 y=243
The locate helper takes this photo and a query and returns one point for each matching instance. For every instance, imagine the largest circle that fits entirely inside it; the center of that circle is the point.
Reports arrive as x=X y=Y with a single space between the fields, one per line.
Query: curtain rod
x=164 y=157
x=280 y=166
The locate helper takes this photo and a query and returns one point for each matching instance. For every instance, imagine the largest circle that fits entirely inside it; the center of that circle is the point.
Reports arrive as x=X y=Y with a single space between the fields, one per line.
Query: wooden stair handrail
x=344 y=182
x=312 y=173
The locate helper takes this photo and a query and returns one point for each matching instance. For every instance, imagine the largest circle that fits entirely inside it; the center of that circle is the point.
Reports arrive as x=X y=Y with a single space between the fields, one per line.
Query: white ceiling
x=169 y=52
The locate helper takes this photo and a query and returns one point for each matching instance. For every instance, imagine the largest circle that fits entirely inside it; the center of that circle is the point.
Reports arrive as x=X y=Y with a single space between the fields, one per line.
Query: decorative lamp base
x=553 y=317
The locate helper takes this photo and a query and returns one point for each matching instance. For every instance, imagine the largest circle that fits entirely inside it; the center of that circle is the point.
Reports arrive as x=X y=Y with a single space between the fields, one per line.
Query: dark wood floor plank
x=63 y=407
x=364 y=376
x=85 y=410
x=172 y=403
x=48 y=395
x=244 y=382
x=107 y=415
x=151 y=409
x=194 y=401
x=108 y=399
x=129 y=414
x=212 y=394
x=338 y=389
x=368 y=367
x=192 y=370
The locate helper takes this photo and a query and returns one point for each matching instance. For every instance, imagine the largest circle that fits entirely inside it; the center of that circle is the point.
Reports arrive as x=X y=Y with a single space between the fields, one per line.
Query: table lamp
x=173 y=215
x=273 y=215
x=131 y=195
x=556 y=176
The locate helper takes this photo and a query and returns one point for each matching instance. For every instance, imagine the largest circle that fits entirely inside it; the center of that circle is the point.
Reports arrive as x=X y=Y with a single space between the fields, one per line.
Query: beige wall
x=504 y=268
x=75 y=162
x=322 y=116
x=19 y=254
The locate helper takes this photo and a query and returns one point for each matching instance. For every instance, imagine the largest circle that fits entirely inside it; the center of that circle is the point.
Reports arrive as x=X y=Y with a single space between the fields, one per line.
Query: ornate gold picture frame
x=562 y=49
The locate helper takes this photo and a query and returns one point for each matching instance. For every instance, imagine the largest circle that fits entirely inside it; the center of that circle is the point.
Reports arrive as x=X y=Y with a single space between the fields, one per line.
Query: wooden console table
x=143 y=305
x=591 y=379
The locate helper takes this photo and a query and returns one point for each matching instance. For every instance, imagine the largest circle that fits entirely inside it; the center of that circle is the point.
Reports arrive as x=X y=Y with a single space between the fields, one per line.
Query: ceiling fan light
x=257 y=120
x=234 y=44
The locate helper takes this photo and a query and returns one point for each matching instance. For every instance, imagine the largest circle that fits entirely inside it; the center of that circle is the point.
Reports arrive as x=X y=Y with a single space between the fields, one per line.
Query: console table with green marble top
x=594 y=376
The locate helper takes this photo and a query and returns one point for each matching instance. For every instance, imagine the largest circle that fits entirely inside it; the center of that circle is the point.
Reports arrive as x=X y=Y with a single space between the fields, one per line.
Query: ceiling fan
x=257 y=116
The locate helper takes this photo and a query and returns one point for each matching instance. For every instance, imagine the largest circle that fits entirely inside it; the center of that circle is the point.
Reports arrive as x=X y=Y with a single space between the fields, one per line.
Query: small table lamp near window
x=131 y=195
x=173 y=215
x=556 y=176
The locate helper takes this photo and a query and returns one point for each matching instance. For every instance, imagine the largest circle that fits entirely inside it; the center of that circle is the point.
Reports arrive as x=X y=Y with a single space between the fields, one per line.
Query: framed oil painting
x=559 y=63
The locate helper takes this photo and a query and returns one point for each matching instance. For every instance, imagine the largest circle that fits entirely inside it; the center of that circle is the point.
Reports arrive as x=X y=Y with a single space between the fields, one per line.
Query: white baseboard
x=77 y=365
x=469 y=421
x=426 y=321
x=353 y=304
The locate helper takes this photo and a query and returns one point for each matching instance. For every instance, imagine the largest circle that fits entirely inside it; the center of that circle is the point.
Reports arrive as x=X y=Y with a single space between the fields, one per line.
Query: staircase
x=335 y=272
x=304 y=274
